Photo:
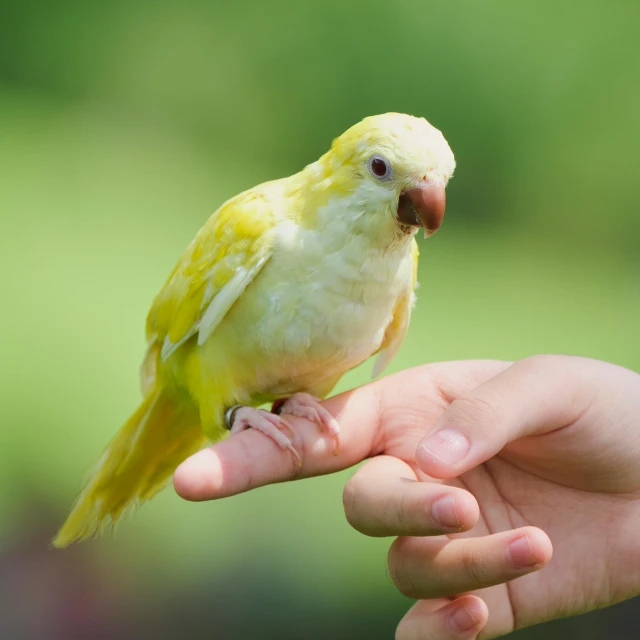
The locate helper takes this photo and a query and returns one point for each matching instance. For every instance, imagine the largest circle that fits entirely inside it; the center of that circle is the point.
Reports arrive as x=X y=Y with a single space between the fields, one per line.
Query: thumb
x=533 y=396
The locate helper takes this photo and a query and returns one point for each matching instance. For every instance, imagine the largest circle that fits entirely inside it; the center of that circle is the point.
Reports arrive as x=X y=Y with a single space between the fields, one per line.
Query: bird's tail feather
x=136 y=464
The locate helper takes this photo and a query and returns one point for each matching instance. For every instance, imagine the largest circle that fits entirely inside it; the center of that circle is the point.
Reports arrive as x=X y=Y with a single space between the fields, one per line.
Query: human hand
x=552 y=456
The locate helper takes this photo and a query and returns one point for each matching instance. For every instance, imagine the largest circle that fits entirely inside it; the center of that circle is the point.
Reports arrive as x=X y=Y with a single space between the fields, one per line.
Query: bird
x=286 y=287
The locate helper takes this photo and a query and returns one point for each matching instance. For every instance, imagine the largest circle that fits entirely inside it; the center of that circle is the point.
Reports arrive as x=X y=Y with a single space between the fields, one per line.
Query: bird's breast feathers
x=322 y=303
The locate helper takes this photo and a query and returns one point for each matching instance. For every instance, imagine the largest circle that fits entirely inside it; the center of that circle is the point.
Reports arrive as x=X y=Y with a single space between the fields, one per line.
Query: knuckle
x=542 y=362
x=554 y=366
x=475 y=571
x=353 y=503
x=475 y=409
x=376 y=510
x=349 y=499
x=410 y=629
x=539 y=359
x=401 y=631
x=397 y=512
x=399 y=565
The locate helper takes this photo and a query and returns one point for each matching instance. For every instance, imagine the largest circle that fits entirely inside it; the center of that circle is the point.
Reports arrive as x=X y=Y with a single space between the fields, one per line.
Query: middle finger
x=385 y=498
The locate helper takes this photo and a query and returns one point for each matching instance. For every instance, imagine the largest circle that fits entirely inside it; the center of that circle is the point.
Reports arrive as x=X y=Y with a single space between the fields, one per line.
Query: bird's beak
x=423 y=207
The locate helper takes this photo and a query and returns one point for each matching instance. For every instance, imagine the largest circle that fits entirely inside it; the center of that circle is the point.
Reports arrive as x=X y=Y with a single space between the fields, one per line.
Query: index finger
x=390 y=414
x=248 y=460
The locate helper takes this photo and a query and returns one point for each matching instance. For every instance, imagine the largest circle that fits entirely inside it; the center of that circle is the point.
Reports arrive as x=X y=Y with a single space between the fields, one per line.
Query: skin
x=540 y=458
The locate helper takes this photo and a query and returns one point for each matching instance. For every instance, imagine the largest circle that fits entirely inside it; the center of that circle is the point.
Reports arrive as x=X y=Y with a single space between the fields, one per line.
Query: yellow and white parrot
x=285 y=288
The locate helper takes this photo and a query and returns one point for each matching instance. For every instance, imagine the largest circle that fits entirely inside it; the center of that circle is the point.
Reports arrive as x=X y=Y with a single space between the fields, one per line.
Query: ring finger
x=437 y=567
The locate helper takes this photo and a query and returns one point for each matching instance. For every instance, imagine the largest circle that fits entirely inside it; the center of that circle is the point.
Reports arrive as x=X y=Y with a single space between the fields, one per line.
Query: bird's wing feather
x=225 y=256
x=397 y=328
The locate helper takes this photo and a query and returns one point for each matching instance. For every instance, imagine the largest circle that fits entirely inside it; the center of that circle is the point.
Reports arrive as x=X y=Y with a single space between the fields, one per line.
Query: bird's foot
x=239 y=418
x=304 y=405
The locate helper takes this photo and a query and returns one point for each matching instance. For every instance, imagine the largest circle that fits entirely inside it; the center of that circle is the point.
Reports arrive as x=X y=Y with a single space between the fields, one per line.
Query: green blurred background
x=124 y=124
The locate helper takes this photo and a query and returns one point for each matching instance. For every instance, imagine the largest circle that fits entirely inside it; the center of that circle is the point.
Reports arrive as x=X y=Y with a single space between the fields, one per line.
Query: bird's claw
x=238 y=418
x=304 y=405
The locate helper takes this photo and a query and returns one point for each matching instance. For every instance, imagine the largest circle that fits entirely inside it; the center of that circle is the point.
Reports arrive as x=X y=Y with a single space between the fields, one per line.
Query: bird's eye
x=380 y=168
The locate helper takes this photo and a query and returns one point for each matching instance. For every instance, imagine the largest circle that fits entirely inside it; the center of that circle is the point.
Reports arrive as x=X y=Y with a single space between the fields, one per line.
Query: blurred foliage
x=124 y=124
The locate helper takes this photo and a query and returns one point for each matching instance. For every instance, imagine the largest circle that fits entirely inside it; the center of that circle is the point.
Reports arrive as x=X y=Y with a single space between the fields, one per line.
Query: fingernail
x=521 y=554
x=463 y=620
x=446 y=445
x=443 y=511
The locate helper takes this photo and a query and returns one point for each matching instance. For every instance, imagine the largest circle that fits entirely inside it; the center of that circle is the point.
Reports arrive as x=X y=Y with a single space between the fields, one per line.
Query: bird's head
x=398 y=164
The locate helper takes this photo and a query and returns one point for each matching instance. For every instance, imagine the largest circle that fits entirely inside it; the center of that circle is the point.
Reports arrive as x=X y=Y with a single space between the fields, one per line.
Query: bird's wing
x=397 y=328
x=225 y=256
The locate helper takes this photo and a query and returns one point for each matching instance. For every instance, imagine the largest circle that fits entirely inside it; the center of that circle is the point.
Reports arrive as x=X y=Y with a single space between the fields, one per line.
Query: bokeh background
x=124 y=124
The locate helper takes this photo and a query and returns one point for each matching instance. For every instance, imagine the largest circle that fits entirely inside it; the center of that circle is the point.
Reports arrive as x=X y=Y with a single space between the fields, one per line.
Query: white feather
x=222 y=302
x=217 y=309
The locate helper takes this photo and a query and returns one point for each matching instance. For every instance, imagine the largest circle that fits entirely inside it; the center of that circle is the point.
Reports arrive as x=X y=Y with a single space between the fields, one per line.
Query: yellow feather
x=136 y=464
